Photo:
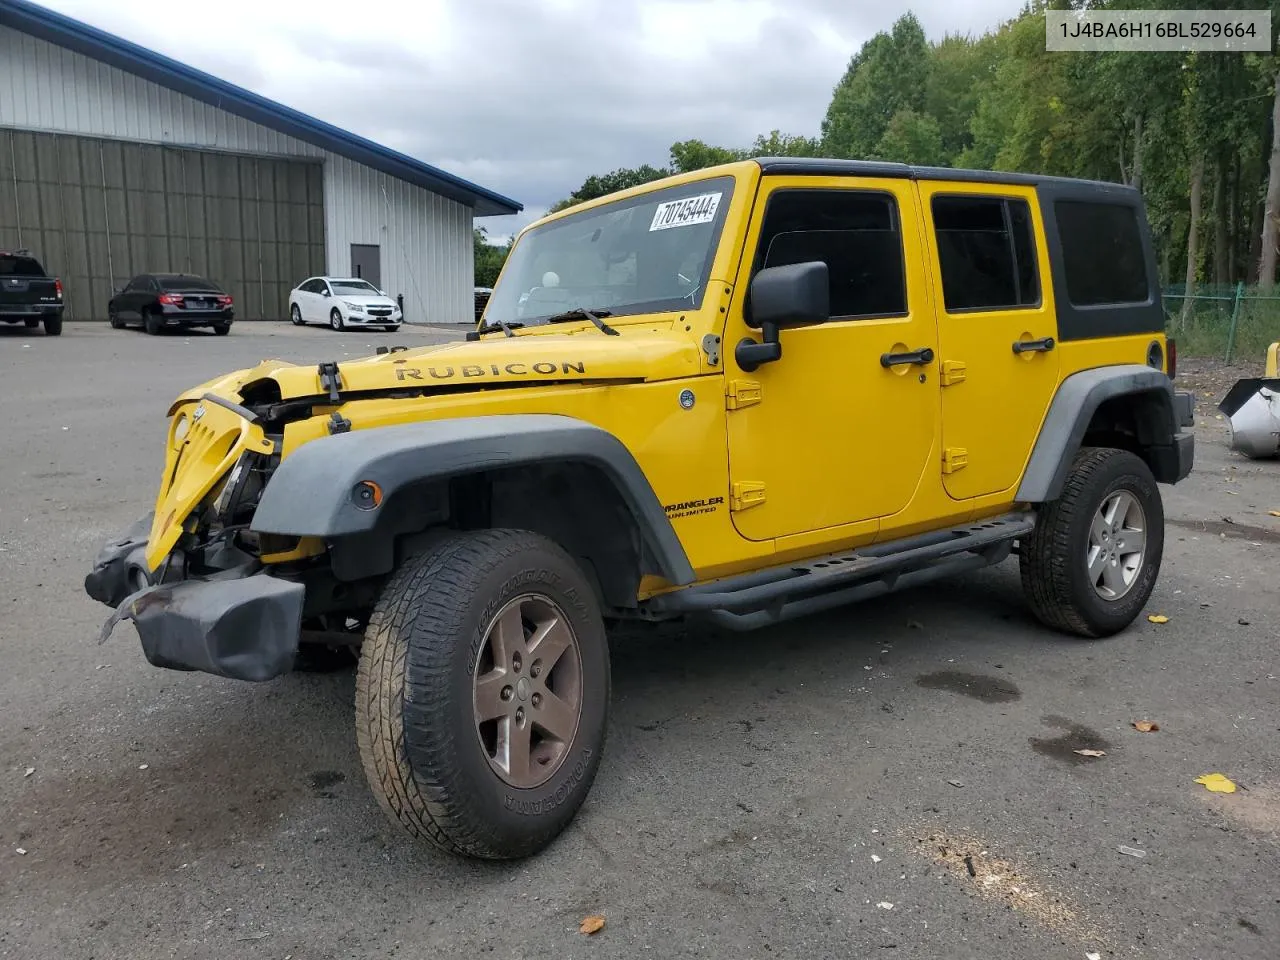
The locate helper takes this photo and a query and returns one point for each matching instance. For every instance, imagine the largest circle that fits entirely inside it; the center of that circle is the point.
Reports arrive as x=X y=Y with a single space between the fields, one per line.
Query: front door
x=366 y=263
x=842 y=428
x=997 y=329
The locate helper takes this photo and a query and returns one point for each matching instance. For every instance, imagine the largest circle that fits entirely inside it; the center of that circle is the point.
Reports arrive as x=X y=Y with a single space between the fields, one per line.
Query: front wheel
x=483 y=693
x=335 y=319
x=295 y=315
x=114 y=318
x=1091 y=563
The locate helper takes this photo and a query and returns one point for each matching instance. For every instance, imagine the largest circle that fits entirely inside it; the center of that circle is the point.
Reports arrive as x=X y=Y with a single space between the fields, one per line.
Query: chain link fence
x=1222 y=320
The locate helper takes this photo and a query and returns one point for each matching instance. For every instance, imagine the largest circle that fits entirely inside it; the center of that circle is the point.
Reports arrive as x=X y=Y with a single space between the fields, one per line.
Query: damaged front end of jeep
x=213 y=585
x=192 y=574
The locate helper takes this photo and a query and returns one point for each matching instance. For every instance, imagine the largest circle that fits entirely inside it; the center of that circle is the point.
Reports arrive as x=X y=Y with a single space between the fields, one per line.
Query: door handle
x=919 y=357
x=1043 y=345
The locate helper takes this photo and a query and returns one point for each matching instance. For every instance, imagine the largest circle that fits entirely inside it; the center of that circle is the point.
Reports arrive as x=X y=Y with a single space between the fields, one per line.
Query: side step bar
x=780 y=593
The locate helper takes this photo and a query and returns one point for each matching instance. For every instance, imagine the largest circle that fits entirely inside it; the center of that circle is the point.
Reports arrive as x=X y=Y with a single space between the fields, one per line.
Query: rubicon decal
x=692 y=508
x=544 y=368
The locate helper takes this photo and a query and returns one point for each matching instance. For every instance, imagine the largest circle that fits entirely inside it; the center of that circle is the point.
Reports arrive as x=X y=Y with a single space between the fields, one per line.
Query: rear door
x=997 y=330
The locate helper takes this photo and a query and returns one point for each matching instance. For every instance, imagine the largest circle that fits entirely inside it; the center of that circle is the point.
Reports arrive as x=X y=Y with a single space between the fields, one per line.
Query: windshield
x=643 y=255
x=352 y=286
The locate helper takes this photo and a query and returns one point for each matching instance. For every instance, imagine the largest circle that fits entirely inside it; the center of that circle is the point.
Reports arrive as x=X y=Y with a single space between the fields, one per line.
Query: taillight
x=1173 y=358
x=57 y=287
x=224 y=301
x=173 y=299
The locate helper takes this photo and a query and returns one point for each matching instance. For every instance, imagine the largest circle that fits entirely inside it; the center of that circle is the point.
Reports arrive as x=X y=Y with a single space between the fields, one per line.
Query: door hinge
x=953 y=371
x=954 y=458
x=746 y=494
x=743 y=393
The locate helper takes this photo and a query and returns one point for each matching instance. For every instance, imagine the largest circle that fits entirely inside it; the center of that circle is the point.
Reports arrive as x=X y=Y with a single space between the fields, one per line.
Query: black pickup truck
x=27 y=294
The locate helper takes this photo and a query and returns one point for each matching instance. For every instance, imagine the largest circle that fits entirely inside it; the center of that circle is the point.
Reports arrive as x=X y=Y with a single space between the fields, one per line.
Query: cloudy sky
x=529 y=97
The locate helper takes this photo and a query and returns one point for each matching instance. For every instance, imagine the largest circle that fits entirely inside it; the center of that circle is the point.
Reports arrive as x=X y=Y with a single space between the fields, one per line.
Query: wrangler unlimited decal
x=691 y=508
x=543 y=368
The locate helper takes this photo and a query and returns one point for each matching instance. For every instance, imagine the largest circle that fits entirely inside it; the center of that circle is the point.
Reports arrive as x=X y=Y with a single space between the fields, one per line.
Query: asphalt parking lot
x=897 y=779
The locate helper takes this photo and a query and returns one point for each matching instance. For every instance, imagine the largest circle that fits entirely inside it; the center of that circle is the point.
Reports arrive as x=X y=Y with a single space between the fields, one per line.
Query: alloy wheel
x=527 y=691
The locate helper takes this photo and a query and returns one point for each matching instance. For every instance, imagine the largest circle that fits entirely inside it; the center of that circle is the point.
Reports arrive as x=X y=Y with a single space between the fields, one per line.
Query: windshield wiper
x=496 y=325
x=582 y=313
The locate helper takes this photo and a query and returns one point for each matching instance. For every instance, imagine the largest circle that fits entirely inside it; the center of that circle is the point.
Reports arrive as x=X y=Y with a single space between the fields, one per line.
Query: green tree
x=690 y=155
x=911 y=137
x=778 y=144
x=888 y=74
x=489 y=257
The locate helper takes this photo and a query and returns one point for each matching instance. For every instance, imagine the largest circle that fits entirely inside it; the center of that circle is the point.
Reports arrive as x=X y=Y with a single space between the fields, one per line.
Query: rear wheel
x=152 y=322
x=335 y=319
x=222 y=329
x=482 y=694
x=52 y=326
x=1092 y=561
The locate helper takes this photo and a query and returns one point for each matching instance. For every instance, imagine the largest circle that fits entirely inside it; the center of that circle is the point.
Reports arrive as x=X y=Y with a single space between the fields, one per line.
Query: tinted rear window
x=11 y=266
x=185 y=283
x=1102 y=253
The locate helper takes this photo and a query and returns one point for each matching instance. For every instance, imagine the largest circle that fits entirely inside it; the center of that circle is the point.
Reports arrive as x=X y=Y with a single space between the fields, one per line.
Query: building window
x=1102 y=253
x=857 y=234
x=986 y=253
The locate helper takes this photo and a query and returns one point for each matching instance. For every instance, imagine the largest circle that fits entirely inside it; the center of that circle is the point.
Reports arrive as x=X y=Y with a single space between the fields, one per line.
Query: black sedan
x=157 y=301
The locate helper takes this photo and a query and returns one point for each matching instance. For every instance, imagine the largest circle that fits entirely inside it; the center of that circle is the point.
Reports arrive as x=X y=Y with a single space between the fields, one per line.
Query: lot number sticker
x=686 y=212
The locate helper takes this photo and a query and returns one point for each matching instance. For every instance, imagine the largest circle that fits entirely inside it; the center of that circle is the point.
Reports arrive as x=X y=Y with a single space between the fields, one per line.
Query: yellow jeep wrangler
x=742 y=394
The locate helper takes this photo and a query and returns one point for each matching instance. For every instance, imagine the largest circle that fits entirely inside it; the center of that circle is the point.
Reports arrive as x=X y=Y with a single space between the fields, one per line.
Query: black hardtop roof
x=819 y=167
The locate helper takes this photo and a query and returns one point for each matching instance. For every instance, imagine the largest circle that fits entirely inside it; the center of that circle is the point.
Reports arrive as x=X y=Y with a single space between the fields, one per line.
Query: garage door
x=96 y=212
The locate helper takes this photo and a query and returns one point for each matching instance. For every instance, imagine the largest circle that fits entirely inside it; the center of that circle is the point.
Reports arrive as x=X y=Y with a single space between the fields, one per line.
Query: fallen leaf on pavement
x=1093 y=956
x=1274 y=513
x=1091 y=753
x=1217 y=783
x=1145 y=726
x=29 y=771
x=1158 y=618
x=885 y=905
x=592 y=925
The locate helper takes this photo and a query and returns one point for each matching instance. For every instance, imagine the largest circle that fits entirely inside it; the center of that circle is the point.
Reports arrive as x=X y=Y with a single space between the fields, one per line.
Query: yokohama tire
x=417 y=693
x=1055 y=558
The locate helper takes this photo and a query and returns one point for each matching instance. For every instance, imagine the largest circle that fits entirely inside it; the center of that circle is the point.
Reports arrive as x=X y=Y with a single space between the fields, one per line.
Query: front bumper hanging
x=235 y=626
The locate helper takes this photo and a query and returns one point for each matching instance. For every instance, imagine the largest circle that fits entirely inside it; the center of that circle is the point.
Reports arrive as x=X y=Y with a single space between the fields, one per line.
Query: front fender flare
x=310 y=493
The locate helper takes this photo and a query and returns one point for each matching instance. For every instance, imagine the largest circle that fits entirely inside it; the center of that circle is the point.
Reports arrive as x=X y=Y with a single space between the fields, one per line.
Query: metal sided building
x=116 y=160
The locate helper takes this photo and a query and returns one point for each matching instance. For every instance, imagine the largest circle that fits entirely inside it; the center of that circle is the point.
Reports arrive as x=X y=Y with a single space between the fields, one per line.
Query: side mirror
x=325 y=293
x=796 y=295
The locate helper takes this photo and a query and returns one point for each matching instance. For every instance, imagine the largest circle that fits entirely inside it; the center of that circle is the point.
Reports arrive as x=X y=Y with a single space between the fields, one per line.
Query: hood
x=588 y=355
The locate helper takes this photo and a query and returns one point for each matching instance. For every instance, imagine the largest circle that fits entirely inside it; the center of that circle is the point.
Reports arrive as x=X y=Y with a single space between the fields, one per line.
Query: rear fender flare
x=1078 y=398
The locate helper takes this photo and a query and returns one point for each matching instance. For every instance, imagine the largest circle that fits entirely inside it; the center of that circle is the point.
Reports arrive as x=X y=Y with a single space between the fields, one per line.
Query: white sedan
x=342 y=302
